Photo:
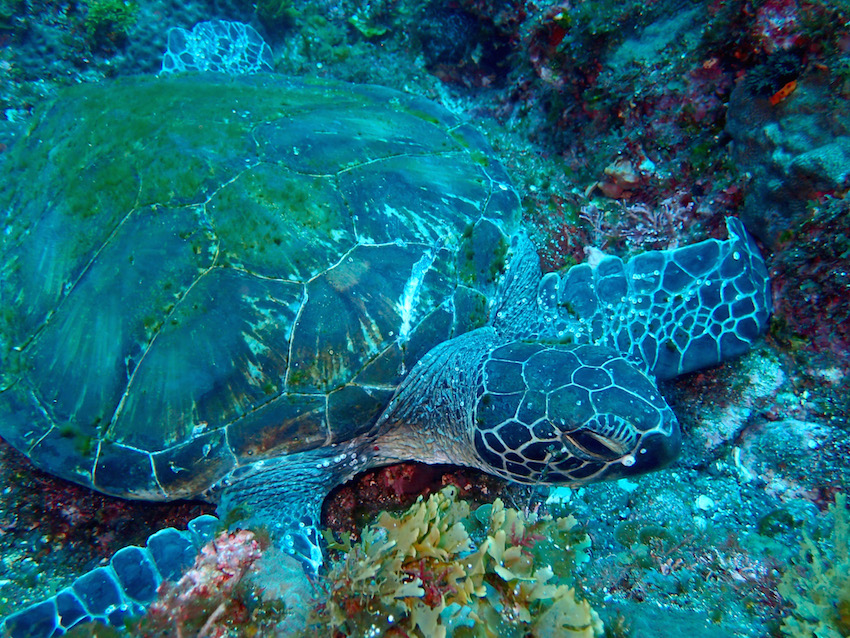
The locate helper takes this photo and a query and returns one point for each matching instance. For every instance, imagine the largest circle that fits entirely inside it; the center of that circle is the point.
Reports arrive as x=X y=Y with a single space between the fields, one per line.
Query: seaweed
x=818 y=582
x=437 y=571
x=108 y=22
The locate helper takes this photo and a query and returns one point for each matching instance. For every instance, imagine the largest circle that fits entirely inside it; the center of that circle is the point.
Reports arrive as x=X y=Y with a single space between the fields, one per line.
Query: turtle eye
x=592 y=446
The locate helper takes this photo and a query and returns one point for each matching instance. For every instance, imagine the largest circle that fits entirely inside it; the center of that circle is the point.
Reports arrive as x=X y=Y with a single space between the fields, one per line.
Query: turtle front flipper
x=676 y=310
x=283 y=496
x=121 y=589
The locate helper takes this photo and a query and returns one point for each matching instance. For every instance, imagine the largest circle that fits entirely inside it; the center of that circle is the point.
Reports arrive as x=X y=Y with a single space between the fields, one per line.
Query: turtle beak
x=656 y=451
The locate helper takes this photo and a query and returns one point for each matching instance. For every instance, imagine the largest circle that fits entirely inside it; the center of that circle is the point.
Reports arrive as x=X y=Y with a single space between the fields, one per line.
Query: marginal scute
x=118 y=466
x=188 y=468
x=353 y=410
x=22 y=407
x=286 y=424
x=69 y=446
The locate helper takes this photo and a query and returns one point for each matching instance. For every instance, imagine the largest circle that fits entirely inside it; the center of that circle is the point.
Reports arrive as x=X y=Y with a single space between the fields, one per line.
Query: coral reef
x=811 y=271
x=795 y=151
x=49 y=527
x=276 y=14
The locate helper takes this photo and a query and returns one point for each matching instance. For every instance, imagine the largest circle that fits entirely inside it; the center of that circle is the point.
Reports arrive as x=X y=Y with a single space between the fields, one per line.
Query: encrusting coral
x=434 y=570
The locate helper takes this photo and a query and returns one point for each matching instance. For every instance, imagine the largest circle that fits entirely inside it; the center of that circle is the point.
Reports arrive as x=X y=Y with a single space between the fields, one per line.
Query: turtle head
x=566 y=414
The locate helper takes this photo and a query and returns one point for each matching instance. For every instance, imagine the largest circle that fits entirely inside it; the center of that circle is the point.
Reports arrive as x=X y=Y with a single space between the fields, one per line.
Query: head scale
x=567 y=414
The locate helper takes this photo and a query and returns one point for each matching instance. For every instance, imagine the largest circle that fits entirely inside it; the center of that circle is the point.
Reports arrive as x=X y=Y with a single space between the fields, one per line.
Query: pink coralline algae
x=204 y=602
x=777 y=25
x=643 y=226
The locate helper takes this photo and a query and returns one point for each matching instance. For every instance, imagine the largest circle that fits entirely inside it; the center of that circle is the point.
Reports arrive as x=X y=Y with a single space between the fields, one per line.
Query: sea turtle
x=247 y=289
